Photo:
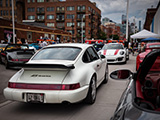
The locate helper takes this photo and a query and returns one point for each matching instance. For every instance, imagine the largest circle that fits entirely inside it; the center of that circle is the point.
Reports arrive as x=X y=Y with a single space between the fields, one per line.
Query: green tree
x=102 y=35
x=115 y=37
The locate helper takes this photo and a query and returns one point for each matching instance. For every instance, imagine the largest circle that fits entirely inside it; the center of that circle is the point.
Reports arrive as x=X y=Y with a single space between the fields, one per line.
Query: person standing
x=44 y=43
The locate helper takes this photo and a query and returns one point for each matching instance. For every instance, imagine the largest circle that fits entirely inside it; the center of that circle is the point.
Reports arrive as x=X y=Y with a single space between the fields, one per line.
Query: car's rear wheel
x=0 y=60
x=106 y=75
x=91 y=96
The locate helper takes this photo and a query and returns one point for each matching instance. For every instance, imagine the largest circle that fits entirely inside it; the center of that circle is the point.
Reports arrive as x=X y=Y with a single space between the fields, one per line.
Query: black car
x=141 y=98
x=16 y=55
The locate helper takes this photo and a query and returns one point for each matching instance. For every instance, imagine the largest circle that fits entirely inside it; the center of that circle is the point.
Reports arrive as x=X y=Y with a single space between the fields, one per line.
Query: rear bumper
x=50 y=96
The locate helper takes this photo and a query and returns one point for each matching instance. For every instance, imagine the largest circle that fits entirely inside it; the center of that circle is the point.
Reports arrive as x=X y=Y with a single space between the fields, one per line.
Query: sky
x=113 y=9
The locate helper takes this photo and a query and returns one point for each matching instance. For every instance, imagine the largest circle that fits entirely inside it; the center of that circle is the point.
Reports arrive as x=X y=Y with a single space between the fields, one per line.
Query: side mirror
x=121 y=74
x=102 y=56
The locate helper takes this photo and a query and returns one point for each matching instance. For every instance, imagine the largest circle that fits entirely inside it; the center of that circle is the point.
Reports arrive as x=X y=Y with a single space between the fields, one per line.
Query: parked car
x=115 y=53
x=35 y=45
x=141 y=98
x=58 y=74
x=145 y=50
x=15 y=55
x=98 y=46
x=2 y=46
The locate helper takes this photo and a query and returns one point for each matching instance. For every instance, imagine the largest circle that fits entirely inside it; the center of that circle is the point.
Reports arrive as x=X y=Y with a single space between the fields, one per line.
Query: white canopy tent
x=144 y=34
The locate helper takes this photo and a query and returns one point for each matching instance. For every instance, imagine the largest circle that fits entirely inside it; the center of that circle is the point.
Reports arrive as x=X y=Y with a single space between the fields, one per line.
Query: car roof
x=79 y=45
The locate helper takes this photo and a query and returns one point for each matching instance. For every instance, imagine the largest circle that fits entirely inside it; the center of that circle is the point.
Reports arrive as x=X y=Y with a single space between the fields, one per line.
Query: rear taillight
x=44 y=86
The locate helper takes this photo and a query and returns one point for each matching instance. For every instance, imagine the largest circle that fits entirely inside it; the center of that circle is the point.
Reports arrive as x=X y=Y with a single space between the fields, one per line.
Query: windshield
x=154 y=46
x=112 y=46
x=58 y=53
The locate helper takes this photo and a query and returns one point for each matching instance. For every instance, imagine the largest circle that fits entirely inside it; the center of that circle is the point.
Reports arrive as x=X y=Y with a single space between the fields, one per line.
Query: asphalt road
x=108 y=96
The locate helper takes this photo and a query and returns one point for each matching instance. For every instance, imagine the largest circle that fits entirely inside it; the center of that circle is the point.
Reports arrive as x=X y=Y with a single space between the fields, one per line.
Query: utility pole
x=127 y=21
x=13 y=22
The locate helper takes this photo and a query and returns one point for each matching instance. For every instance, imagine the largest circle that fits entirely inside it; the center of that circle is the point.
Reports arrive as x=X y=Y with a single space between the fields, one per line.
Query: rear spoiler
x=50 y=66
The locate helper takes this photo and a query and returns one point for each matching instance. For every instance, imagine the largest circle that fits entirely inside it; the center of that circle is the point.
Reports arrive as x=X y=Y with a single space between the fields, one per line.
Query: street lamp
x=82 y=26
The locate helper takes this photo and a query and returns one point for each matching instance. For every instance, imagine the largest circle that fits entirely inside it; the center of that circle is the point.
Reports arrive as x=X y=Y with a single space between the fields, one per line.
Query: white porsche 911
x=59 y=73
x=115 y=53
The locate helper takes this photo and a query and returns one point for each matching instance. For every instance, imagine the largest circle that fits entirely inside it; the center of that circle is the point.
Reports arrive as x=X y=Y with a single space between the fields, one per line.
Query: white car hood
x=110 y=52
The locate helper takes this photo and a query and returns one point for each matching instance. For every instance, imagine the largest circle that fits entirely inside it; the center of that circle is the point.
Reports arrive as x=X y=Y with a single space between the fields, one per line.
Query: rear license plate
x=35 y=97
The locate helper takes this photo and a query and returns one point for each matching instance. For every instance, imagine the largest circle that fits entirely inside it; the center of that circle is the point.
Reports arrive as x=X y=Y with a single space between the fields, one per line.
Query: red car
x=147 y=48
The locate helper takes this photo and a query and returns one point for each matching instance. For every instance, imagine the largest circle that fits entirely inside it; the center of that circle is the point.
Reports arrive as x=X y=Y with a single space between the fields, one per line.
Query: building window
x=10 y=3
x=69 y=24
x=50 y=17
x=33 y=1
x=40 y=9
x=60 y=25
x=70 y=8
x=30 y=9
x=31 y=17
x=28 y=1
x=79 y=24
x=60 y=8
x=40 y=0
x=81 y=8
x=6 y=3
x=1 y=3
x=1 y=12
x=7 y=12
x=4 y=12
x=79 y=16
x=10 y=12
x=60 y=17
x=50 y=24
x=49 y=9
x=40 y=17
x=70 y=16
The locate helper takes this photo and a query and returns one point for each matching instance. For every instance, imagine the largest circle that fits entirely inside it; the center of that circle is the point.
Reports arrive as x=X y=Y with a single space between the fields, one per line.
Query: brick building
x=66 y=15
x=62 y=15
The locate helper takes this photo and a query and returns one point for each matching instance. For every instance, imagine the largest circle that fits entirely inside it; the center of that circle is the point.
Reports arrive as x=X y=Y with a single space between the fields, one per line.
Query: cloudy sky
x=114 y=9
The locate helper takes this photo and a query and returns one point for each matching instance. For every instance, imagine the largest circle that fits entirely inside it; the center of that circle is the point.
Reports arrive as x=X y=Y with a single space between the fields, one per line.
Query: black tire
x=128 y=57
x=106 y=75
x=125 y=61
x=0 y=60
x=6 y=64
x=91 y=96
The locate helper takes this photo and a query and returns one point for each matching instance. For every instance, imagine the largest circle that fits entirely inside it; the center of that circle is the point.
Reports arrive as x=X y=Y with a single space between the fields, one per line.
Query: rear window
x=58 y=53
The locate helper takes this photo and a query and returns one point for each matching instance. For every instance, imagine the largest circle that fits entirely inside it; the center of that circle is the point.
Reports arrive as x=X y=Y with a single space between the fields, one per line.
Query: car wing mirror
x=121 y=74
x=102 y=56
